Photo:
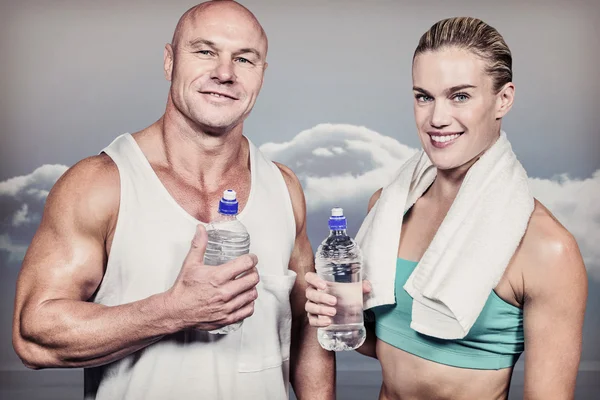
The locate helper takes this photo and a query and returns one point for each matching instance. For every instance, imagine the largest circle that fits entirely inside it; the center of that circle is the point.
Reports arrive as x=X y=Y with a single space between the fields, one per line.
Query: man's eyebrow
x=197 y=42
x=249 y=50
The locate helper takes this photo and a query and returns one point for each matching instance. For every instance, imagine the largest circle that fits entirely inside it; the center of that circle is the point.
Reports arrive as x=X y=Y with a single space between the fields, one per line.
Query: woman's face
x=456 y=110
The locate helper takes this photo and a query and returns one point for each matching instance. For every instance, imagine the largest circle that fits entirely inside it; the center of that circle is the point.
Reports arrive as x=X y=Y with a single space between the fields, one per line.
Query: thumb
x=198 y=246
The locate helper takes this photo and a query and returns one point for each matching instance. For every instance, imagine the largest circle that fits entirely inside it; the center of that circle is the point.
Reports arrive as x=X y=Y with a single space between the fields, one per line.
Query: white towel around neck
x=468 y=254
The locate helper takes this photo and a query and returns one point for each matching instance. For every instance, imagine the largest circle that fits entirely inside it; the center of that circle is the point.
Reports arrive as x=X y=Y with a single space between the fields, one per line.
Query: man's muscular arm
x=312 y=368
x=54 y=325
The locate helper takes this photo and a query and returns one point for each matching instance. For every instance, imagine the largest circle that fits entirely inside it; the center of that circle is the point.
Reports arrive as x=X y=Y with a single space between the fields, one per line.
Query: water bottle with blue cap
x=228 y=239
x=338 y=261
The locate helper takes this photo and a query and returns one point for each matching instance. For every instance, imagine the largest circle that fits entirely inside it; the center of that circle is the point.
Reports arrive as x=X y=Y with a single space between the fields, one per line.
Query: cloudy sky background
x=336 y=106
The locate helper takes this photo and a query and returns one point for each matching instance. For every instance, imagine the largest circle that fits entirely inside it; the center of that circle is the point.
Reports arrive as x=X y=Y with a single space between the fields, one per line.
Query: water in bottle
x=227 y=240
x=338 y=261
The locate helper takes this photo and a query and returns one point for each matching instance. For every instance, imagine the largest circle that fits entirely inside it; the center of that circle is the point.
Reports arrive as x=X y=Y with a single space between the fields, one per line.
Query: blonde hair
x=474 y=35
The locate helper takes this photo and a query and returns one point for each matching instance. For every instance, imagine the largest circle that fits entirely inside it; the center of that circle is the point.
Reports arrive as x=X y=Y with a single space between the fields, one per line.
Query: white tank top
x=151 y=239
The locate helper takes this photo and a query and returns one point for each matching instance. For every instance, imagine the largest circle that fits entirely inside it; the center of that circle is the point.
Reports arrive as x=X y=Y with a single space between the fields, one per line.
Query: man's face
x=216 y=68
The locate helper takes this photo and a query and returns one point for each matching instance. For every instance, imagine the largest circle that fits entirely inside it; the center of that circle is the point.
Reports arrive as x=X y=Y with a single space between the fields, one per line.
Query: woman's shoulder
x=545 y=235
x=549 y=254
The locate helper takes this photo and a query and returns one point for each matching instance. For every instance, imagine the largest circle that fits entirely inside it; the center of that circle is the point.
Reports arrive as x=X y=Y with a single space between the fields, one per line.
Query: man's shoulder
x=91 y=173
x=292 y=182
x=296 y=192
x=288 y=175
x=92 y=185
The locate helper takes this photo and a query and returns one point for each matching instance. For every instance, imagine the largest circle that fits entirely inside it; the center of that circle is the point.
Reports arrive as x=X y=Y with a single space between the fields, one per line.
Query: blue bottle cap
x=228 y=204
x=337 y=221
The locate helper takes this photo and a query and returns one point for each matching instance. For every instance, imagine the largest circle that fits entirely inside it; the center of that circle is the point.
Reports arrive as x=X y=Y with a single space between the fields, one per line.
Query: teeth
x=216 y=95
x=444 y=138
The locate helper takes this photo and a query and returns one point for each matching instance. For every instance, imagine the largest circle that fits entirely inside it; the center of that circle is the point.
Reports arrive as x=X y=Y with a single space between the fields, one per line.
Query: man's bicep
x=67 y=255
x=302 y=258
x=300 y=263
x=60 y=265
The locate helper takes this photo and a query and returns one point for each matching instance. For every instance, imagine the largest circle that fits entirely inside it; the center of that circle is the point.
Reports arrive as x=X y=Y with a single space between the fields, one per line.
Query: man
x=110 y=282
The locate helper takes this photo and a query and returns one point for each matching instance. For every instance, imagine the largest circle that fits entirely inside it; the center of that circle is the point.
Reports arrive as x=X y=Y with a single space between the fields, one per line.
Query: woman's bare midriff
x=408 y=377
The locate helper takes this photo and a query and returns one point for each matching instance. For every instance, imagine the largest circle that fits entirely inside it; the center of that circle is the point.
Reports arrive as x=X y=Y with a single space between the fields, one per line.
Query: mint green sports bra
x=495 y=341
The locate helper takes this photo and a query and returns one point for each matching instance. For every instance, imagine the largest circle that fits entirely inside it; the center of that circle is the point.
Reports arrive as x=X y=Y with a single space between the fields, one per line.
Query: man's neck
x=201 y=158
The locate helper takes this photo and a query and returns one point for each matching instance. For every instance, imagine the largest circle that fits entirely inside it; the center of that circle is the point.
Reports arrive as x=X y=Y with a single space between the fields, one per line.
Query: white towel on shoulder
x=468 y=254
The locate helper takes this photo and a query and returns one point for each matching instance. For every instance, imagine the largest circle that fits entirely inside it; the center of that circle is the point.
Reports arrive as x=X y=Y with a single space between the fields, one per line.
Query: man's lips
x=218 y=94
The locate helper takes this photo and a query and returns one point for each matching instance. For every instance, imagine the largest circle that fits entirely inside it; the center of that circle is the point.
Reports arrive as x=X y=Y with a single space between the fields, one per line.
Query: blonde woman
x=442 y=330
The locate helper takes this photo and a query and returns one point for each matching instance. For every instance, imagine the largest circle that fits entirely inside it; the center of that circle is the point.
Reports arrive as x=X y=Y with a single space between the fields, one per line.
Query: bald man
x=114 y=279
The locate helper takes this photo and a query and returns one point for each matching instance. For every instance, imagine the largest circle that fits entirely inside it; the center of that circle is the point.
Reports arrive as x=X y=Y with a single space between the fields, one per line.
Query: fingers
x=242 y=313
x=241 y=301
x=232 y=269
x=319 y=321
x=235 y=315
x=244 y=283
x=319 y=297
x=319 y=307
x=313 y=280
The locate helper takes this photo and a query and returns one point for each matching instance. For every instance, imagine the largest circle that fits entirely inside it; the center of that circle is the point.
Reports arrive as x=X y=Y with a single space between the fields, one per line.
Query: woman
x=462 y=84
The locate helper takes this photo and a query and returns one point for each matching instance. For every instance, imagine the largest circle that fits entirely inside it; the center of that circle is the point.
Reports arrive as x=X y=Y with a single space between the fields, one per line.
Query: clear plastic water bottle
x=228 y=239
x=338 y=261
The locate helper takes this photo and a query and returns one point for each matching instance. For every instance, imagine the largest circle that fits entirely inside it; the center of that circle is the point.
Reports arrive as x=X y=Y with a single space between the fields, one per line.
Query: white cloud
x=21 y=217
x=34 y=184
x=16 y=252
x=340 y=161
x=322 y=152
x=333 y=162
x=368 y=160
x=22 y=201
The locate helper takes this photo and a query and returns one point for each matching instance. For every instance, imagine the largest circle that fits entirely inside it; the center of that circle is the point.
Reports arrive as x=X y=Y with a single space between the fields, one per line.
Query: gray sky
x=87 y=70
x=77 y=73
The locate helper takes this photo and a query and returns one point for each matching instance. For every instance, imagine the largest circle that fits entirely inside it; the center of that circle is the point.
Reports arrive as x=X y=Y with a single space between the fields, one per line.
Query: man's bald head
x=216 y=9
x=216 y=65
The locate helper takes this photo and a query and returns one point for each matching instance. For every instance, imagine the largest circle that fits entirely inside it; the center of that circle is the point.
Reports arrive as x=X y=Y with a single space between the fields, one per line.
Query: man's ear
x=168 y=62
